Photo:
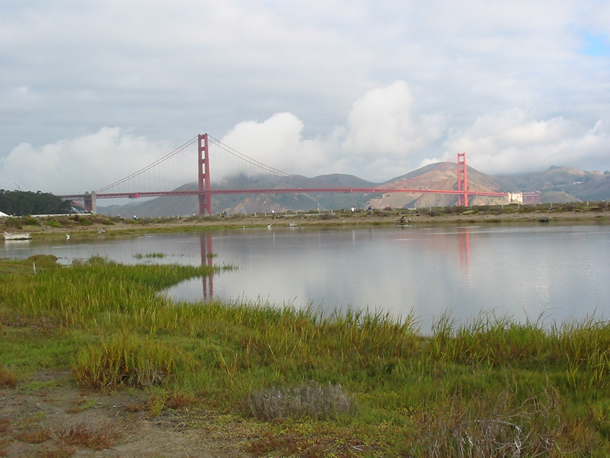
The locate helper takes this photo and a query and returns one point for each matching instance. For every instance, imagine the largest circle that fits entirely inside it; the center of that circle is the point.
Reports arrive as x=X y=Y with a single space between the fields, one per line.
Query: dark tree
x=21 y=203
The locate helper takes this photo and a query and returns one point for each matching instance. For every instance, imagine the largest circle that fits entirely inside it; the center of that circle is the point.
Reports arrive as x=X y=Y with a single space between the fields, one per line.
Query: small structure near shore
x=17 y=236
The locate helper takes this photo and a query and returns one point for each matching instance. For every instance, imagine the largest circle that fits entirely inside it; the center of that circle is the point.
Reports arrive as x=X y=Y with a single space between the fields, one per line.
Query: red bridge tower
x=205 y=197
x=462 y=180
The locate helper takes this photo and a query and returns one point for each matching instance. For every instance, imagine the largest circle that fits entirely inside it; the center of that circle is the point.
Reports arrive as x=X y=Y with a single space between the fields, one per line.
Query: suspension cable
x=490 y=181
x=260 y=165
x=149 y=166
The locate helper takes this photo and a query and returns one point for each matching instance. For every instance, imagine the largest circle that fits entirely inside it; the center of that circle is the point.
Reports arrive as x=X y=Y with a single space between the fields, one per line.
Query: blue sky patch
x=596 y=45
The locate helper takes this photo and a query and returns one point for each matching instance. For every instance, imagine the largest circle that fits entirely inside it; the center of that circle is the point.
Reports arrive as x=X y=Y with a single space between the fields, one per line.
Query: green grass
x=490 y=387
x=149 y=255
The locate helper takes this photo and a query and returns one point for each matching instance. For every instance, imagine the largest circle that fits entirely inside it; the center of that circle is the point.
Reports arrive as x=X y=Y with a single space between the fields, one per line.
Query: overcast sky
x=93 y=90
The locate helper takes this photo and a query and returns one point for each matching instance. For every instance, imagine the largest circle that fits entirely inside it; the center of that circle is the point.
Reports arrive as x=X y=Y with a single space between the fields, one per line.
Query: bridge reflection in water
x=207 y=258
x=464 y=248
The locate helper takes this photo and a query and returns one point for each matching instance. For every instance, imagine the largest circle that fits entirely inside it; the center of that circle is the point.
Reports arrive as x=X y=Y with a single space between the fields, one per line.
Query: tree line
x=21 y=203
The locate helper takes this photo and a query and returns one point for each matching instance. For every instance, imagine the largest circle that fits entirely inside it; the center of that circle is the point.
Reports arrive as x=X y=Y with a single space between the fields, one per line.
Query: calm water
x=521 y=271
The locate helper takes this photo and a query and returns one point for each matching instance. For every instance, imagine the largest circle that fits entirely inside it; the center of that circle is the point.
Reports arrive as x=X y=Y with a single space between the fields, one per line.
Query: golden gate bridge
x=178 y=167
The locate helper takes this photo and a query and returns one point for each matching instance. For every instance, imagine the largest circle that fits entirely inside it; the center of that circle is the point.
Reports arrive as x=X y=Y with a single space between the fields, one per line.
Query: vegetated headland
x=93 y=357
x=85 y=224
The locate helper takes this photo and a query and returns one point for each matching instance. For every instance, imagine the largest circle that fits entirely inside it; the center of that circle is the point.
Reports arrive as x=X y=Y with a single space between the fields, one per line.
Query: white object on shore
x=23 y=236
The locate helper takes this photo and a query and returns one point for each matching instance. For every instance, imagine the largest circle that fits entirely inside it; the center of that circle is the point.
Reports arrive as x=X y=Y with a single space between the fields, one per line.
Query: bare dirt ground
x=62 y=421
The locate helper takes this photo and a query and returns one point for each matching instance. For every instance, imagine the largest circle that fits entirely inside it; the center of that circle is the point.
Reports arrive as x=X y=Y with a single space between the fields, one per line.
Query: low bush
x=326 y=216
x=44 y=261
x=495 y=426
x=8 y=378
x=54 y=223
x=34 y=437
x=308 y=400
x=10 y=222
x=97 y=436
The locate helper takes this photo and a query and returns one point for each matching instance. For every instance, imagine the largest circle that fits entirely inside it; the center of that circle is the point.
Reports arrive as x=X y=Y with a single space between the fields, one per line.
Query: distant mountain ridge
x=557 y=184
x=572 y=183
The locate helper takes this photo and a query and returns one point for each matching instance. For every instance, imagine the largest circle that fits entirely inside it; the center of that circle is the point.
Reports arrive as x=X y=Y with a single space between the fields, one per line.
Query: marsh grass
x=126 y=361
x=487 y=387
x=149 y=255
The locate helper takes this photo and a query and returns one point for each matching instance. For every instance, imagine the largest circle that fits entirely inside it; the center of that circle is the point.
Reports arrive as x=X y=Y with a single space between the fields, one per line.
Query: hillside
x=557 y=184
x=563 y=183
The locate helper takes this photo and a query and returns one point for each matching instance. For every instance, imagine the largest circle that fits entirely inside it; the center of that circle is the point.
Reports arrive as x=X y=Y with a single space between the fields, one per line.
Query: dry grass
x=181 y=400
x=8 y=378
x=34 y=437
x=308 y=400
x=494 y=426
x=58 y=453
x=98 y=437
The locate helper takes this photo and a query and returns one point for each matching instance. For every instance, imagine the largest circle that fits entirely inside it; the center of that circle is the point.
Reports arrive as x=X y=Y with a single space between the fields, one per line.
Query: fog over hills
x=557 y=184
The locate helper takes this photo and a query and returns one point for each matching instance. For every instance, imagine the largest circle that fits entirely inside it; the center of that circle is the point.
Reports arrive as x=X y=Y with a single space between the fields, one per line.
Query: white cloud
x=278 y=143
x=512 y=142
x=77 y=165
x=381 y=124
x=170 y=69
x=381 y=133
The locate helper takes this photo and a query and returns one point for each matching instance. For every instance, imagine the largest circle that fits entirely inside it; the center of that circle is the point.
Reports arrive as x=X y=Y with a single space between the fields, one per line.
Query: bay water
x=550 y=272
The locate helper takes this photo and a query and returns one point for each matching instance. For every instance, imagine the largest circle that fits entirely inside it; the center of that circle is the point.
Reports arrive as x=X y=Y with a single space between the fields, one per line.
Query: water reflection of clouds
x=519 y=271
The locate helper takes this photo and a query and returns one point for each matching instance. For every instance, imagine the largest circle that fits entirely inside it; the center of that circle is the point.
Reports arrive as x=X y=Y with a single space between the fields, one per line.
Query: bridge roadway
x=132 y=195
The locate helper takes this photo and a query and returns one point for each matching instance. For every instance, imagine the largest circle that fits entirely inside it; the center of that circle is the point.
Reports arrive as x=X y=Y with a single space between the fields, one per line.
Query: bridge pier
x=90 y=202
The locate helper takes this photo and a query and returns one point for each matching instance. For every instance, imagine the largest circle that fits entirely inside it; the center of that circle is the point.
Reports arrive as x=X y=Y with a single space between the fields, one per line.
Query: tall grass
x=127 y=361
x=488 y=387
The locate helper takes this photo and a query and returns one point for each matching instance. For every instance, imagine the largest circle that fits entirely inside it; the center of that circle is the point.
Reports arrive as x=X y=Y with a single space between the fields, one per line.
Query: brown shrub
x=8 y=378
x=98 y=437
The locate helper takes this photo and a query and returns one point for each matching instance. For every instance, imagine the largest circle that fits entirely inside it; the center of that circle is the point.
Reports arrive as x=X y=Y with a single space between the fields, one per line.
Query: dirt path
x=62 y=421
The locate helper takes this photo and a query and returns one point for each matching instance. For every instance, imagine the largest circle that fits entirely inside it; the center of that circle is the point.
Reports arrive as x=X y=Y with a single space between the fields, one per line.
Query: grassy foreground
x=354 y=384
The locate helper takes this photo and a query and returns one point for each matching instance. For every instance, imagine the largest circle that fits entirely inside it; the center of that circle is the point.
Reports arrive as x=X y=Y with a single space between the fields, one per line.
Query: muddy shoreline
x=102 y=225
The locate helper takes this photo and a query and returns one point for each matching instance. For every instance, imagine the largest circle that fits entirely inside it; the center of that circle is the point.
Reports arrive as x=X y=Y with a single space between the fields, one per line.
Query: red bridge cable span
x=490 y=181
x=149 y=166
x=256 y=163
